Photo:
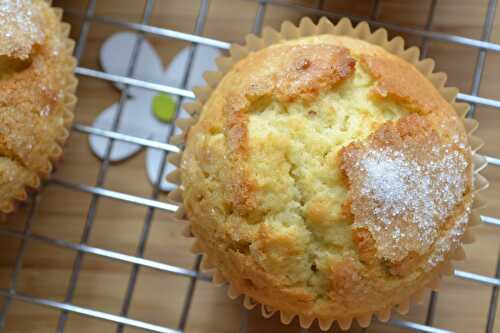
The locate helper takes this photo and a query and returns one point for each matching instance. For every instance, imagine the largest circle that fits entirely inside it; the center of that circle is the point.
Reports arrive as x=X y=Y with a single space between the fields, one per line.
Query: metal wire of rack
x=152 y=202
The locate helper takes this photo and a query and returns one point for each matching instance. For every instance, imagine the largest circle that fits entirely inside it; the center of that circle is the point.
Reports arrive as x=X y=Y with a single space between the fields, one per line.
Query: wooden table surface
x=462 y=305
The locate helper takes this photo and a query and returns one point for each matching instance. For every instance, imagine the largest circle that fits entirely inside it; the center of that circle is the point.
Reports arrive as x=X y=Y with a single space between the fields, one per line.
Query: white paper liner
x=395 y=46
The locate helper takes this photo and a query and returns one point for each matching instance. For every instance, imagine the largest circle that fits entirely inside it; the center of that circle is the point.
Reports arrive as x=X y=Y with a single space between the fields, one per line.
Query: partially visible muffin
x=327 y=177
x=36 y=95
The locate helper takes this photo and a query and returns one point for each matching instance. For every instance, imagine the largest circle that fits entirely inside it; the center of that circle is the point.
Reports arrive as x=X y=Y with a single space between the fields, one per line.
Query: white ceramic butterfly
x=137 y=117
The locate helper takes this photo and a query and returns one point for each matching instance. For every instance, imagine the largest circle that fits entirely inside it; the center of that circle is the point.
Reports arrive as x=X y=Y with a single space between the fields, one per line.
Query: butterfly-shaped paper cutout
x=137 y=117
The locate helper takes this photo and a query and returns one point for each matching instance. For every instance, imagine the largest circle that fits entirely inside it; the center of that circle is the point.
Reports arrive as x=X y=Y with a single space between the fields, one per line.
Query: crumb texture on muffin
x=327 y=177
x=35 y=76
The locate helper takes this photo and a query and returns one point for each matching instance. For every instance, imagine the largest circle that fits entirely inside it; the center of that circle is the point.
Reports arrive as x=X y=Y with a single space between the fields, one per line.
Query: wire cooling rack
x=98 y=191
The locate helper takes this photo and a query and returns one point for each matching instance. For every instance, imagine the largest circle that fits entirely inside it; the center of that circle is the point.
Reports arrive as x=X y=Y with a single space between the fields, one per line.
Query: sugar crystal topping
x=449 y=242
x=20 y=27
x=404 y=192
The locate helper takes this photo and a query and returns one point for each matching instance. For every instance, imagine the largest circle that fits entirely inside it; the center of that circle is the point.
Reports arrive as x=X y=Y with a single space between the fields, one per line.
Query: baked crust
x=36 y=86
x=273 y=186
x=406 y=187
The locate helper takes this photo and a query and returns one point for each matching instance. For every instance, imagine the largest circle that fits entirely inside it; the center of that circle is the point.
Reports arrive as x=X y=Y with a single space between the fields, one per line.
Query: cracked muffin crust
x=36 y=95
x=326 y=177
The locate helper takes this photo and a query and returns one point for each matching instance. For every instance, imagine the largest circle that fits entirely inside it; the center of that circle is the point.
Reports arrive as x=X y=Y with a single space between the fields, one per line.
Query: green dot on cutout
x=163 y=107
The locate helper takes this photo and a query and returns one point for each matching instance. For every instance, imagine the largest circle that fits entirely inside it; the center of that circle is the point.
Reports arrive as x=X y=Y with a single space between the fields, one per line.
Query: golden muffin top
x=36 y=88
x=22 y=27
x=327 y=177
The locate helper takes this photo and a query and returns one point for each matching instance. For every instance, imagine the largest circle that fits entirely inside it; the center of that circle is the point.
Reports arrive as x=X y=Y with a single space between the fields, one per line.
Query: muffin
x=36 y=95
x=328 y=178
